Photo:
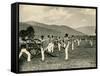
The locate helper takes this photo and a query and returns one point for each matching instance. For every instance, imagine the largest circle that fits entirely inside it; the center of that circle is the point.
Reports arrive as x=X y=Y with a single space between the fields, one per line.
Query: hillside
x=89 y=30
x=40 y=30
x=44 y=29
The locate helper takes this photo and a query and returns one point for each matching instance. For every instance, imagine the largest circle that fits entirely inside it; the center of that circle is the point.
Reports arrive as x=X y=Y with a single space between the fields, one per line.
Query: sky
x=68 y=16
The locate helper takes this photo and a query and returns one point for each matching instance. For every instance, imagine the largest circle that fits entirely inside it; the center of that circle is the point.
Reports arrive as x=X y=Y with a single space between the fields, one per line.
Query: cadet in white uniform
x=72 y=40
x=67 y=43
x=46 y=44
x=24 y=49
x=59 y=43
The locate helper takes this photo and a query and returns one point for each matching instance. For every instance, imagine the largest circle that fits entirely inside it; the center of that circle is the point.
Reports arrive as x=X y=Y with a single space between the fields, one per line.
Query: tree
x=30 y=32
x=23 y=34
x=30 y=37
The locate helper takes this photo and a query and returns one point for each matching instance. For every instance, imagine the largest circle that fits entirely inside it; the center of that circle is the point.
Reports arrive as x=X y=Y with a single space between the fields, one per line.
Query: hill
x=89 y=30
x=44 y=29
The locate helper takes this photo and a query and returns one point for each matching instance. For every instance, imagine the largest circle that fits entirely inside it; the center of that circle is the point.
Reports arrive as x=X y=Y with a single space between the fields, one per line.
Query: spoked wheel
x=34 y=48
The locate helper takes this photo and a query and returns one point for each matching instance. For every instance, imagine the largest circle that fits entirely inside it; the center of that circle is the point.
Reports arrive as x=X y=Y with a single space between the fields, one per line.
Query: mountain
x=39 y=30
x=45 y=29
x=88 y=30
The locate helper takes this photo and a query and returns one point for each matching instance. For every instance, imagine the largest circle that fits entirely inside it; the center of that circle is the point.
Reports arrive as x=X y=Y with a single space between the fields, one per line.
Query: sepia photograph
x=56 y=37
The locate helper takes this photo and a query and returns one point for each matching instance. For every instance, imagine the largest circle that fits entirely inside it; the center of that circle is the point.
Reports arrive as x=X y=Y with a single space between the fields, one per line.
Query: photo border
x=57 y=5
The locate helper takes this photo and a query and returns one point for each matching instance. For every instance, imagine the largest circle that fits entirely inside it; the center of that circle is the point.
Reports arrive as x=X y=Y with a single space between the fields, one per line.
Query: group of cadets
x=48 y=43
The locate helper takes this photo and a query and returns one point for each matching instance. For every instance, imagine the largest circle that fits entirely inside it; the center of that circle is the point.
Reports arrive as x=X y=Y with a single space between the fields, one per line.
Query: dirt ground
x=81 y=57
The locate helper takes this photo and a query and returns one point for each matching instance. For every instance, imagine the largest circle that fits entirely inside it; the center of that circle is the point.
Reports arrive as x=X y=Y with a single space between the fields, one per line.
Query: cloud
x=73 y=17
x=89 y=11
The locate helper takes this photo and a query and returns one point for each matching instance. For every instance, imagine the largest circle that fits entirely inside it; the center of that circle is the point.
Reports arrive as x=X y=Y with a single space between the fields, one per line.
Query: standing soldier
x=59 y=43
x=67 y=43
x=45 y=45
x=52 y=43
x=24 y=49
x=72 y=40
x=91 y=41
x=78 y=41
x=42 y=47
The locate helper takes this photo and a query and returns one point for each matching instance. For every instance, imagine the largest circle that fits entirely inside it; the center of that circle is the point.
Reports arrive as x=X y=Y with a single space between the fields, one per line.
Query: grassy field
x=81 y=57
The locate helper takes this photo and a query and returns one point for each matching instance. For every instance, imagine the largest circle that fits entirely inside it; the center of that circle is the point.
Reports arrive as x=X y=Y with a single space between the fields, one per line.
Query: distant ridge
x=88 y=30
x=45 y=29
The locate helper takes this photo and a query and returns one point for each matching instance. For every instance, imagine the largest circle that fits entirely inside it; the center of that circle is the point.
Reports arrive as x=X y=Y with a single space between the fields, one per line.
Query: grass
x=81 y=57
